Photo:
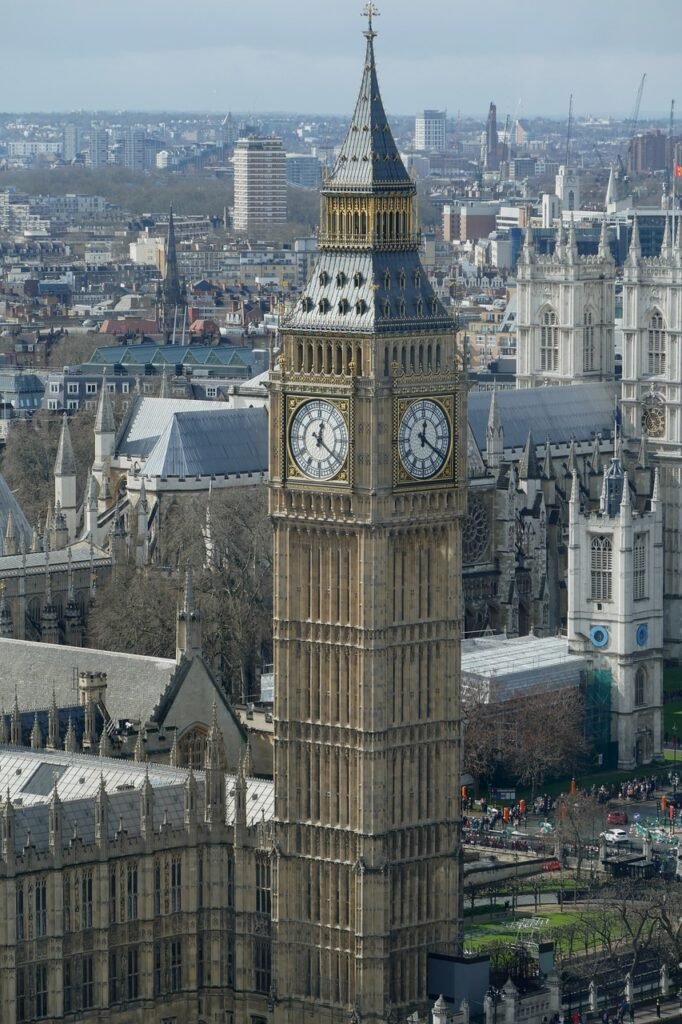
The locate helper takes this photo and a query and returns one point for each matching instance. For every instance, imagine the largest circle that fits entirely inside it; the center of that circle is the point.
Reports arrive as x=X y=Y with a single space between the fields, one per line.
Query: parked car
x=617 y=818
x=615 y=836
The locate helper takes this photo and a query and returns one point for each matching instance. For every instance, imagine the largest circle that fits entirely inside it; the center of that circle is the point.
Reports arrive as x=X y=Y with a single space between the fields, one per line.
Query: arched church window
x=549 y=341
x=639 y=567
x=601 y=569
x=640 y=687
x=656 y=341
x=588 y=341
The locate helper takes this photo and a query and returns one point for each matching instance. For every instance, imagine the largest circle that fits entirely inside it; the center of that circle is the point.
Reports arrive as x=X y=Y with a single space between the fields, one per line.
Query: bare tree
x=545 y=735
x=579 y=821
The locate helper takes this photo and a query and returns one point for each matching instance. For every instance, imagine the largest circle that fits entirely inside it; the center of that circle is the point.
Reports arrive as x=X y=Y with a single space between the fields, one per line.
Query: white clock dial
x=424 y=438
x=319 y=439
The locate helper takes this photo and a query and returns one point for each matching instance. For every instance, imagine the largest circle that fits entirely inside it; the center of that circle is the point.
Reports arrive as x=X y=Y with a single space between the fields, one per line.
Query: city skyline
x=153 y=58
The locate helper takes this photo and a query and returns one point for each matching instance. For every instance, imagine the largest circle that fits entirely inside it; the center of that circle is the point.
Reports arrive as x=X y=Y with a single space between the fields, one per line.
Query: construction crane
x=569 y=128
x=633 y=122
x=671 y=153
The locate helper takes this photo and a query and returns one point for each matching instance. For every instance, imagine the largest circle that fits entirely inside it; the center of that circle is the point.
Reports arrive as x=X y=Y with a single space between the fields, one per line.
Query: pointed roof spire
x=656 y=495
x=604 y=247
x=104 y=420
x=572 y=245
x=611 y=189
x=70 y=743
x=572 y=464
x=36 y=734
x=494 y=422
x=596 y=454
x=667 y=243
x=625 y=502
x=547 y=464
x=368 y=158
x=528 y=464
x=559 y=247
x=635 y=250
x=65 y=463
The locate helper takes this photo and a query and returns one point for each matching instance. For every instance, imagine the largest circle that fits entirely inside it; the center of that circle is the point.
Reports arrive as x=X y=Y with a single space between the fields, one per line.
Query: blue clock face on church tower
x=642 y=635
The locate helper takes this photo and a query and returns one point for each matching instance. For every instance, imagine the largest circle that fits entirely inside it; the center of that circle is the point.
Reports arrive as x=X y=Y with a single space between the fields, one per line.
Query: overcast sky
x=300 y=55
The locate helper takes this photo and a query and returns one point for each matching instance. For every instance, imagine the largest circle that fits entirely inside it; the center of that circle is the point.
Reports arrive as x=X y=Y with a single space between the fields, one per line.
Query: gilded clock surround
x=294 y=471
x=401 y=475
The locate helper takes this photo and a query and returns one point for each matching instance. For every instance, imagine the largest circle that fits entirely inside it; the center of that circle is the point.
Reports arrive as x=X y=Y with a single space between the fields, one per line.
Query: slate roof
x=78 y=780
x=559 y=413
x=134 y=683
x=148 y=419
x=377 y=304
x=369 y=157
x=219 y=442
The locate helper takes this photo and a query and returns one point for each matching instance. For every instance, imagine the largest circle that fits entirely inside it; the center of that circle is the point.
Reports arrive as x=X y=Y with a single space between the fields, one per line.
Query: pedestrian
x=658 y=1007
x=632 y=1013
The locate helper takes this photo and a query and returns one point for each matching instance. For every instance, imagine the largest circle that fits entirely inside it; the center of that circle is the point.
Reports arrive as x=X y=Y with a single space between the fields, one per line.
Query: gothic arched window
x=549 y=341
x=639 y=567
x=656 y=344
x=601 y=568
x=588 y=341
x=640 y=687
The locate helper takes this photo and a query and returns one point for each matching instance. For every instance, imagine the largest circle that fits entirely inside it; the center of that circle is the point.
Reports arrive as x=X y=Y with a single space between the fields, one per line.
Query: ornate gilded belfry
x=367 y=476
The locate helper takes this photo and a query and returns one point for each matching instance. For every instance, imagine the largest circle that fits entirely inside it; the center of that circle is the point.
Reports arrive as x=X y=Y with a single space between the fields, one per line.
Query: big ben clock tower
x=367 y=493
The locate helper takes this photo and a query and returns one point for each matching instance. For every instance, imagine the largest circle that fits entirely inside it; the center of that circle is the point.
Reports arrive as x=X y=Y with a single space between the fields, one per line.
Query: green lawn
x=480 y=935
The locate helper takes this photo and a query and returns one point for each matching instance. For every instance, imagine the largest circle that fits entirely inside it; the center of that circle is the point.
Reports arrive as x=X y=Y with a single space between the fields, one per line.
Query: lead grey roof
x=369 y=157
x=559 y=413
x=134 y=683
x=219 y=442
x=148 y=419
x=385 y=306
x=79 y=778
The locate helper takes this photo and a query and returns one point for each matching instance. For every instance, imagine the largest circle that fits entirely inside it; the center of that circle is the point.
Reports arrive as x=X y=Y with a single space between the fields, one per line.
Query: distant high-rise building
x=429 y=131
x=98 y=150
x=648 y=152
x=491 y=156
x=260 y=183
x=70 y=142
x=134 y=149
x=226 y=135
x=304 y=170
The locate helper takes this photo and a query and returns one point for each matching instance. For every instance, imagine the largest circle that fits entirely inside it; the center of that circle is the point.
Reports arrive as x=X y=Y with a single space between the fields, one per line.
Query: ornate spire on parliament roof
x=369 y=159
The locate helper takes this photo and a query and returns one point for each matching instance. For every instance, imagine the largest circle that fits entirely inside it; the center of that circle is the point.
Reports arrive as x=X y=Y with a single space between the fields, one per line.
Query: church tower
x=172 y=293
x=615 y=609
x=651 y=391
x=566 y=306
x=367 y=420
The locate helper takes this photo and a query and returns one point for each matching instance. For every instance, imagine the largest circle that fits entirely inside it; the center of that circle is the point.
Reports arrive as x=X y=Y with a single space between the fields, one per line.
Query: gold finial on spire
x=370 y=12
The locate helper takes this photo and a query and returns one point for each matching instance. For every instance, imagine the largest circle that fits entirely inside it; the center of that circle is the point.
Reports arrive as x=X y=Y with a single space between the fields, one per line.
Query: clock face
x=319 y=439
x=423 y=438
x=653 y=420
